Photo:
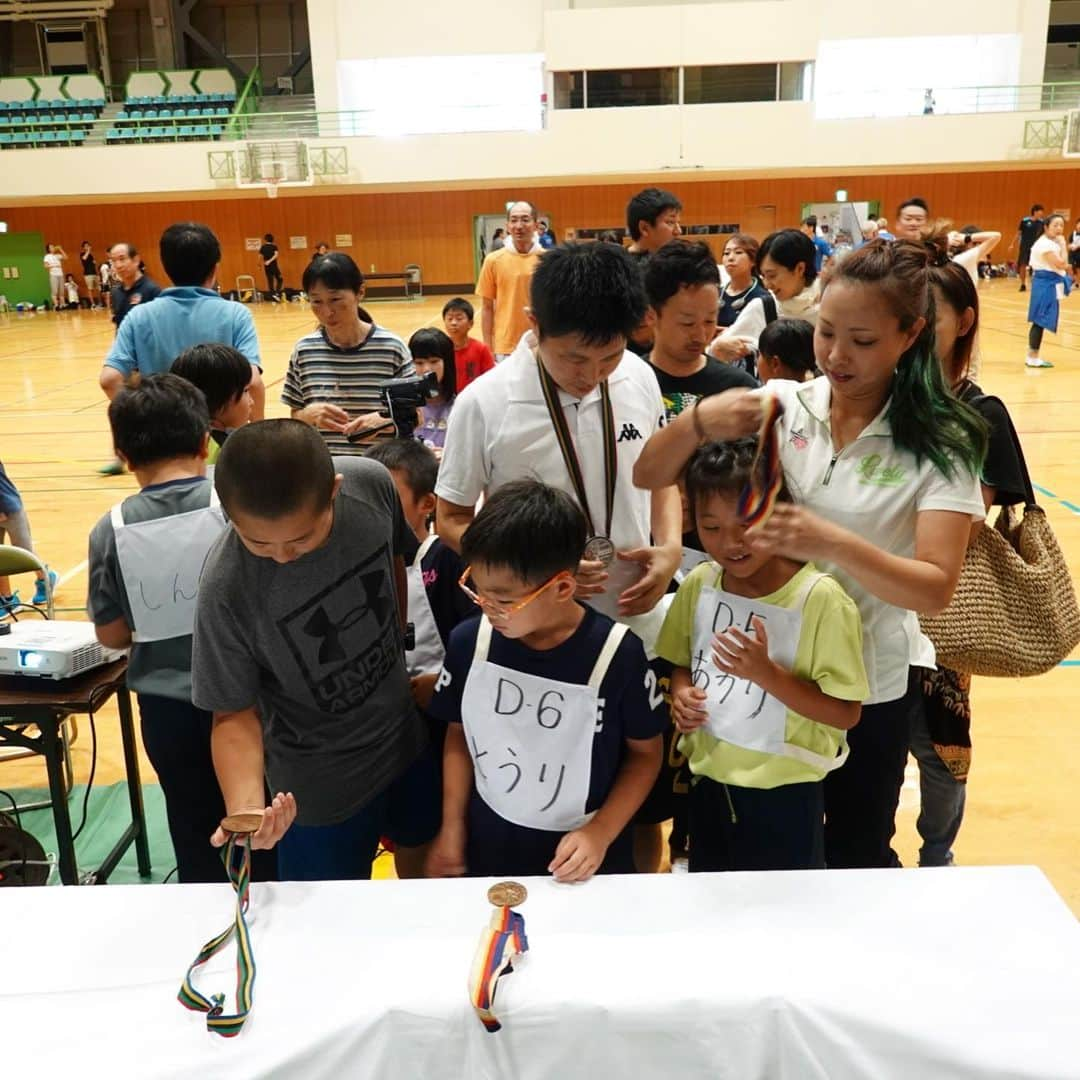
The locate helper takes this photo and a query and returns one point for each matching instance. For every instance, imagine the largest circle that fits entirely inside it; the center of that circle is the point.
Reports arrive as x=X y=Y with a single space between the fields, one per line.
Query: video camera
x=401 y=398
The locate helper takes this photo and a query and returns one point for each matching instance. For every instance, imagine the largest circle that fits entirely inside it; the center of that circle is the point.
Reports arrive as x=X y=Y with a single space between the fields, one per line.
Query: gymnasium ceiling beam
x=182 y=10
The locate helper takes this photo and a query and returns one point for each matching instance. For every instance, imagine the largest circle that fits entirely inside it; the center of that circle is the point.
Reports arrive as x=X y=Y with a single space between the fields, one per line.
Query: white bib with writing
x=427 y=658
x=740 y=712
x=161 y=562
x=531 y=739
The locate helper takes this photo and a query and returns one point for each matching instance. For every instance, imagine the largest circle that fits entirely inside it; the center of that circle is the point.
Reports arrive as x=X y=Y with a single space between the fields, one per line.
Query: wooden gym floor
x=1022 y=804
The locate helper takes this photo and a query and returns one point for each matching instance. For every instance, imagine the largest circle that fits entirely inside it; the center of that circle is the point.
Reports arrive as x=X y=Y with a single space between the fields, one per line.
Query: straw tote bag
x=1014 y=612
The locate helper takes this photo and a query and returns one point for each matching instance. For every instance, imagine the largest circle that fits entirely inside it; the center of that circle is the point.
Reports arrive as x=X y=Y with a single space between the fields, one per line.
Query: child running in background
x=768 y=677
x=15 y=530
x=432 y=350
x=786 y=351
x=553 y=720
x=472 y=357
x=224 y=376
x=436 y=604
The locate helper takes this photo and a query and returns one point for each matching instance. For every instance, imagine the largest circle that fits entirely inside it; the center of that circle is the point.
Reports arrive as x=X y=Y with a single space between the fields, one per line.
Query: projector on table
x=48 y=649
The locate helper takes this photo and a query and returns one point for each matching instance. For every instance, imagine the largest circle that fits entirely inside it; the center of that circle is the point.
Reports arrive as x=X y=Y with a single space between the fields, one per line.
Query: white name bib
x=740 y=712
x=531 y=739
x=161 y=562
x=427 y=658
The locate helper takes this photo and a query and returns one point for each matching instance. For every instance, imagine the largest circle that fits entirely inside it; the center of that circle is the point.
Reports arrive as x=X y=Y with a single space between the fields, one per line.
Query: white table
x=913 y=974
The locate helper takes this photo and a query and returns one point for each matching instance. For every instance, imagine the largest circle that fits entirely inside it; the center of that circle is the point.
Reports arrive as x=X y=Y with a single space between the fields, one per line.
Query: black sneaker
x=1023 y=288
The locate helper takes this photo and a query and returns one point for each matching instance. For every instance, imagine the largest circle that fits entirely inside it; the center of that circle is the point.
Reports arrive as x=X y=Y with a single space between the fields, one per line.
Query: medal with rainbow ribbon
x=759 y=496
x=503 y=939
x=237 y=859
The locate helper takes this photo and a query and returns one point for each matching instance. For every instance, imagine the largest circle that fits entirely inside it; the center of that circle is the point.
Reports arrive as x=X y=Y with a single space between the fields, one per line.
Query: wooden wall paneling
x=435 y=228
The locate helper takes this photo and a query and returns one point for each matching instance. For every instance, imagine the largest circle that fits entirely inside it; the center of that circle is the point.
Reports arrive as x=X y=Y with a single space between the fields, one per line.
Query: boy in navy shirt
x=436 y=603
x=553 y=717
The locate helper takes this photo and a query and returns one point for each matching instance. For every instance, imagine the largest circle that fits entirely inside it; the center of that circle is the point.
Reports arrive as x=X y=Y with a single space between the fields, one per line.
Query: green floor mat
x=108 y=814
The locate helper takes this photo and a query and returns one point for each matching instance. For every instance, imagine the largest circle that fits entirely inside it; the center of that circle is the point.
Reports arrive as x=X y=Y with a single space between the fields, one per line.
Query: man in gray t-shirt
x=299 y=617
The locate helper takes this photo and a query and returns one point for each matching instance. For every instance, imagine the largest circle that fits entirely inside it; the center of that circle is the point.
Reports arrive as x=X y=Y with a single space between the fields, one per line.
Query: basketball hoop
x=271 y=185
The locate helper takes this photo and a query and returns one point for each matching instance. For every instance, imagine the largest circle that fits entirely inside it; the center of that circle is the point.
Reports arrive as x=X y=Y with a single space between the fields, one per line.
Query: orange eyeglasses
x=504 y=611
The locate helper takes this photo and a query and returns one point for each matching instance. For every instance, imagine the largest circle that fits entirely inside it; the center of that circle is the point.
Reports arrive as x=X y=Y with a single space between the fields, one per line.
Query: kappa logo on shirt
x=868 y=472
x=798 y=439
x=629 y=433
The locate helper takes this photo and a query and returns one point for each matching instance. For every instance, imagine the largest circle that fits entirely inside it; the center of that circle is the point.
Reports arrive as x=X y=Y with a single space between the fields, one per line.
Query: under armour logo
x=629 y=433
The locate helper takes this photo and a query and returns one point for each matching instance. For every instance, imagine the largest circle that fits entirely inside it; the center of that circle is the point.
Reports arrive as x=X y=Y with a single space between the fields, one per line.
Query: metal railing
x=948 y=101
x=243 y=123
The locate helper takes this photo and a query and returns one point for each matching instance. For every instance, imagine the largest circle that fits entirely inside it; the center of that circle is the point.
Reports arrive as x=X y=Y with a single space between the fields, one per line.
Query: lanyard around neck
x=569 y=453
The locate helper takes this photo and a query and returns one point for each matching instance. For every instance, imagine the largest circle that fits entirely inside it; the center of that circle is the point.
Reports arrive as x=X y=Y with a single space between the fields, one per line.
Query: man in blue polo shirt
x=190 y=313
x=823 y=247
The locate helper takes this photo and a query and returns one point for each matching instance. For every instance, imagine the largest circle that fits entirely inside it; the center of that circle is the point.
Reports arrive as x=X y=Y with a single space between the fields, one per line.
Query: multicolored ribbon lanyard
x=758 y=498
x=598 y=546
x=503 y=939
x=237 y=859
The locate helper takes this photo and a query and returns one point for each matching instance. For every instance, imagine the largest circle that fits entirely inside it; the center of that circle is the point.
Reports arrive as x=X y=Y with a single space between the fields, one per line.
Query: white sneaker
x=680 y=866
x=1037 y=362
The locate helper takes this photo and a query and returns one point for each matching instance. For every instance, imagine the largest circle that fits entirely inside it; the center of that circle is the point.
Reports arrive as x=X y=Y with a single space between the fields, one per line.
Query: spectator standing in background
x=90 y=274
x=912 y=217
x=190 y=313
x=132 y=286
x=54 y=259
x=472 y=357
x=498 y=240
x=275 y=283
x=883 y=229
x=504 y=282
x=1028 y=232
x=543 y=235
x=821 y=245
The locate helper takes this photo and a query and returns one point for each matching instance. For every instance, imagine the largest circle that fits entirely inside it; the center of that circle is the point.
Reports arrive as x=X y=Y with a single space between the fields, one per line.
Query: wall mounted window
x=426 y=95
x=569 y=89
x=627 y=87
x=708 y=85
x=719 y=83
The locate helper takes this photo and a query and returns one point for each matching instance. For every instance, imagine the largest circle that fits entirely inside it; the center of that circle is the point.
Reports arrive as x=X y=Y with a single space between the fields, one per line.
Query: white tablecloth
x=916 y=974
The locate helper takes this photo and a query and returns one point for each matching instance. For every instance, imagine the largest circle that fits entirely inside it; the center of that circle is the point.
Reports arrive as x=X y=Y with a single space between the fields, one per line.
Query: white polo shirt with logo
x=500 y=430
x=875 y=490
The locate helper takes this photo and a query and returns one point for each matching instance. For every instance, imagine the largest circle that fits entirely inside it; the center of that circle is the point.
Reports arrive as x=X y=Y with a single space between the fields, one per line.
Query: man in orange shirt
x=504 y=282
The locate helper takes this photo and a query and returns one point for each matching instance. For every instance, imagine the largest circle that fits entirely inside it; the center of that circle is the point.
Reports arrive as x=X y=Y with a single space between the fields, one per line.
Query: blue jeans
x=941 y=797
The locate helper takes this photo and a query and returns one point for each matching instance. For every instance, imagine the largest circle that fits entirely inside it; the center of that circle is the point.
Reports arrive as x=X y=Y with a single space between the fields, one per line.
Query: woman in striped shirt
x=334 y=373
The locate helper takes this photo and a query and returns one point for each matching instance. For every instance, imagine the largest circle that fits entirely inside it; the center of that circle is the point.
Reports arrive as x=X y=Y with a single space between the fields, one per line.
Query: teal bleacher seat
x=150 y=114
x=208 y=112
x=6 y=138
x=22 y=137
x=187 y=131
x=87 y=118
x=72 y=117
x=221 y=111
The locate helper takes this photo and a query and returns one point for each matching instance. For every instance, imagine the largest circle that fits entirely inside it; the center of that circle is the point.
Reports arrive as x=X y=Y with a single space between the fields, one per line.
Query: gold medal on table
x=502 y=941
x=507 y=894
x=242 y=824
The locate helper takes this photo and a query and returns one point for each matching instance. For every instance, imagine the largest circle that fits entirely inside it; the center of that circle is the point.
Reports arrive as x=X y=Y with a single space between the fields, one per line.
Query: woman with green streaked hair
x=883 y=464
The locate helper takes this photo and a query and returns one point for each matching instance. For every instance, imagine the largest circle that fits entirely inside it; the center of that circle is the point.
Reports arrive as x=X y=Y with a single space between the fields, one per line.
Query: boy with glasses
x=553 y=715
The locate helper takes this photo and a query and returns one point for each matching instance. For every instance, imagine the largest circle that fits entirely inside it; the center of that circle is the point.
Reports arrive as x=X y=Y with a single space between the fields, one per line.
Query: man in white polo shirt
x=572 y=408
